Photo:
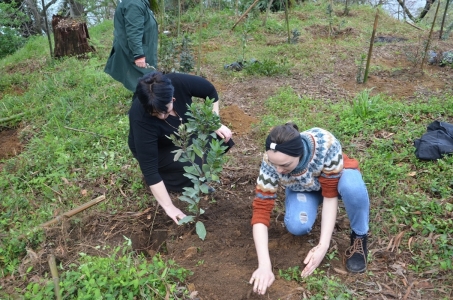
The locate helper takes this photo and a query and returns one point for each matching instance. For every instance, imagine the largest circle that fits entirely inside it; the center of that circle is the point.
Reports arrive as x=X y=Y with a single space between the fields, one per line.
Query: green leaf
x=178 y=154
x=186 y=219
x=191 y=176
x=191 y=170
x=206 y=168
x=186 y=199
x=198 y=151
x=204 y=188
x=201 y=230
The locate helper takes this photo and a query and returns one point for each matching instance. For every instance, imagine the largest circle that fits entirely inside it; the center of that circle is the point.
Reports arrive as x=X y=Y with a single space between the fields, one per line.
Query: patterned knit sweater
x=320 y=168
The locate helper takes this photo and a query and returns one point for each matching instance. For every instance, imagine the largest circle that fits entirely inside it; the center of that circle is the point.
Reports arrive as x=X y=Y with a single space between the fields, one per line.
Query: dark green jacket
x=135 y=36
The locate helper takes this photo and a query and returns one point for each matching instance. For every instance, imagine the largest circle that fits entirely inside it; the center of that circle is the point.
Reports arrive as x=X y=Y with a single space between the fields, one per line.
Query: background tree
x=11 y=19
x=423 y=12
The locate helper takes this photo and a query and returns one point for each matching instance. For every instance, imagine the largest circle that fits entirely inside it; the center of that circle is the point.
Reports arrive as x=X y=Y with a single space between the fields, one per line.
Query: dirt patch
x=9 y=143
x=238 y=121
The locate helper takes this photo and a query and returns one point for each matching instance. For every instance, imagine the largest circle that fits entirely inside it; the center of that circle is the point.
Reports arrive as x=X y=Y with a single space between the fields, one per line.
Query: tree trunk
x=70 y=37
x=402 y=3
x=34 y=14
x=423 y=13
x=426 y=8
x=76 y=9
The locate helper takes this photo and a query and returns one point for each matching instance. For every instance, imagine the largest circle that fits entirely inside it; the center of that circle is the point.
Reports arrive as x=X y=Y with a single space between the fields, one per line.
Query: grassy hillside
x=71 y=118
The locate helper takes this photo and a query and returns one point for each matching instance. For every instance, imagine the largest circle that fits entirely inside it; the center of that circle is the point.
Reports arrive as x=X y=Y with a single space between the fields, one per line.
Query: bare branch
x=406 y=10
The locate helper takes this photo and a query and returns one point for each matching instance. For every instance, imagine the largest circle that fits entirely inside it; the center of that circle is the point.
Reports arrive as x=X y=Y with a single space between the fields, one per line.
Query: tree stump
x=70 y=37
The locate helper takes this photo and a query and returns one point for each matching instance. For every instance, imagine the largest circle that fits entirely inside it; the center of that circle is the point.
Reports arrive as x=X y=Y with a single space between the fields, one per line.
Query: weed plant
x=295 y=36
x=268 y=67
x=186 y=59
x=318 y=285
x=414 y=54
x=363 y=104
x=122 y=275
x=361 y=68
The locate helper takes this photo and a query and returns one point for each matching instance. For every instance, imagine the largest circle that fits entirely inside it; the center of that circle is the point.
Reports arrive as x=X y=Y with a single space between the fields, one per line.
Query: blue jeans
x=302 y=207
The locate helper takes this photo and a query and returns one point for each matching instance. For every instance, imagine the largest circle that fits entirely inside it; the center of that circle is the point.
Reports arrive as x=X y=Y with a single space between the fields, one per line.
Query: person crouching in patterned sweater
x=314 y=170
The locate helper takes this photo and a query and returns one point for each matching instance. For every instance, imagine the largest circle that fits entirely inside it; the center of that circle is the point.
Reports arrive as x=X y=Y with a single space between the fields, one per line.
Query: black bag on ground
x=437 y=142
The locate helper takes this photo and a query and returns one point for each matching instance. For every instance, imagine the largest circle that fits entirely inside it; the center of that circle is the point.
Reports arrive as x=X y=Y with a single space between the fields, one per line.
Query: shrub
x=10 y=41
x=123 y=275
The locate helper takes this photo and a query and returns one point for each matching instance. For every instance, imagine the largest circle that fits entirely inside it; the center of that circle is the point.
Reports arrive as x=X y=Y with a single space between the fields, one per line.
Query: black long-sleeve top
x=147 y=134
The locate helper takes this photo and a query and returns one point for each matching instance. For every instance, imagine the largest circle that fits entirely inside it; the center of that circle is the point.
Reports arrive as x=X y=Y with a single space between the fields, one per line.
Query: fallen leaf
x=340 y=271
x=191 y=287
x=425 y=285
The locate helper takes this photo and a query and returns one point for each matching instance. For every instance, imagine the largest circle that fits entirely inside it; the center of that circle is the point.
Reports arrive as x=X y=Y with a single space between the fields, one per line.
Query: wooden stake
x=287 y=21
x=429 y=37
x=68 y=214
x=443 y=19
x=269 y=4
x=244 y=14
x=56 y=280
x=370 y=51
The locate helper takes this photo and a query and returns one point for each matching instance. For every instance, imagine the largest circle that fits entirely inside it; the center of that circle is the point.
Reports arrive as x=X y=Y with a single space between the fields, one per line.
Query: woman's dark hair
x=284 y=133
x=154 y=91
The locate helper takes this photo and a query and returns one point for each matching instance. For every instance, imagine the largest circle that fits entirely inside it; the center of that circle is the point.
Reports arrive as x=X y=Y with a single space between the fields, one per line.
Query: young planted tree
x=197 y=141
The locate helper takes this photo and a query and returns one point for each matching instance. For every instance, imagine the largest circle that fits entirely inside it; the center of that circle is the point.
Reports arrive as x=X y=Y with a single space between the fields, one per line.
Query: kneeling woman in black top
x=159 y=107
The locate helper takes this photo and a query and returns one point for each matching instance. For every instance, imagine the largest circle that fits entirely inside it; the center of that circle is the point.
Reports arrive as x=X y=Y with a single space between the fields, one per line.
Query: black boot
x=356 y=254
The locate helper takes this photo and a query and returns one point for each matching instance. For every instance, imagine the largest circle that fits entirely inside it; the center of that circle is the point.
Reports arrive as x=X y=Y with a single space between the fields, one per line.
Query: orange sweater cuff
x=262 y=210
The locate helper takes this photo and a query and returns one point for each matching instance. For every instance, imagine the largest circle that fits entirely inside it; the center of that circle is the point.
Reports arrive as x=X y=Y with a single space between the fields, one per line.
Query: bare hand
x=141 y=62
x=313 y=259
x=174 y=213
x=261 y=280
x=224 y=132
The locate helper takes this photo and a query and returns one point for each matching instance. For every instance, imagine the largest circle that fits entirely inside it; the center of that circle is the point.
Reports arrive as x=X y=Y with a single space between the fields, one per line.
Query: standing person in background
x=134 y=51
x=314 y=171
x=159 y=106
